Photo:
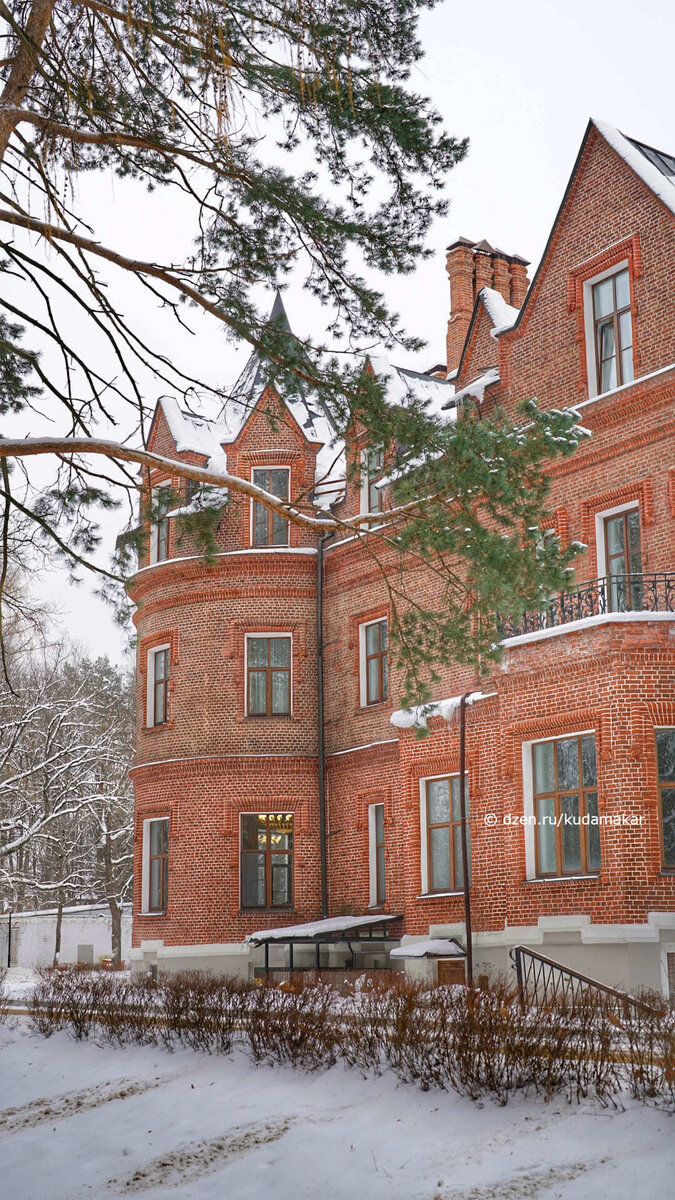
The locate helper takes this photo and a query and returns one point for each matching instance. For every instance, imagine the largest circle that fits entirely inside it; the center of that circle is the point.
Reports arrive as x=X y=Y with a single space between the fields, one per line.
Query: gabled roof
x=652 y=166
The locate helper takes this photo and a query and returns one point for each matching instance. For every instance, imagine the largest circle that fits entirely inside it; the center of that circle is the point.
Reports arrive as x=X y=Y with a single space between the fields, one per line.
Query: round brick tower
x=226 y=837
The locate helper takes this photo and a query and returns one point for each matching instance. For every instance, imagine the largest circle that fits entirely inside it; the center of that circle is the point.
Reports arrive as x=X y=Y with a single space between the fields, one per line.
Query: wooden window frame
x=269 y=543
x=623 y=516
x=382 y=656
x=162 y=858
x=612 y=316
x=269 y=672
x=269 y=855
x=661 y=784
x=450 y=825
x=581 y=791
x=159 y=529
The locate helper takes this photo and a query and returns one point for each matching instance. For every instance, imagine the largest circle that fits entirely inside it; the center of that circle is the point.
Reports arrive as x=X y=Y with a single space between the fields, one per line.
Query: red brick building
x=571 y=741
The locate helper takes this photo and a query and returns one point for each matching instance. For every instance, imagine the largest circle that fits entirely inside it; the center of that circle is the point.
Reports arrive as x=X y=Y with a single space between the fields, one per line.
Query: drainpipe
x=321 y=749
x=465 y=848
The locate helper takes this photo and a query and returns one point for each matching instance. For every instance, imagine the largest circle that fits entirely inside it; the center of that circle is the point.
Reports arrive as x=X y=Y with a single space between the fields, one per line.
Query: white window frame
x=271 y=467
x=150 y=683
x=589 y=324
x=600 y=541
x=363 y=681
x=145 y=869
x=154 y=539
x=372 y=854
x=530 y=828
x=364 y=490
x=264 y=633
x=424 y=836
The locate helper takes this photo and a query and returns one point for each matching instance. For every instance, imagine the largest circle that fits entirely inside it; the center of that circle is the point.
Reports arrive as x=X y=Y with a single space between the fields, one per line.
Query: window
x=372 y=465
x=566 y=806
x=374 y=662
x=158 y=686
x=266 y=860
x=665 y=756
x=159 y=528
x=442 y=867
x=268 y=672
x=623 y=556
x=156 y=865
x=376 y=855
x=269 y=528
x=613 y=331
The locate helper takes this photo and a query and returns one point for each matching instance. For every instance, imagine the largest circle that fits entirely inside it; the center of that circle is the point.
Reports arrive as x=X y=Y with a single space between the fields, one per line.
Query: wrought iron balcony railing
x=610 y=593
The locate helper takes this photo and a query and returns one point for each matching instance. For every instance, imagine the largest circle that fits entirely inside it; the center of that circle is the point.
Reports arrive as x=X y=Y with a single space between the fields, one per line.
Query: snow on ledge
x=429 y=948
x=586 y=623
x=416 y=718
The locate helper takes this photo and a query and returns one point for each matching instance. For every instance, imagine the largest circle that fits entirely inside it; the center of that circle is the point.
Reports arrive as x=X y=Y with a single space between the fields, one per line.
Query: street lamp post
x=465 y=846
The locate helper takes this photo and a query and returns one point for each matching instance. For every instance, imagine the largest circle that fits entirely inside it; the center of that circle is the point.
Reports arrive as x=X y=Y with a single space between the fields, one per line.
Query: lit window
x=268 y=676
x=376 y=854
x=665 y=754
x=156 y=865
x=613 y=331
x=374 y=662
x=269 y=528
x=158 y=685
x=266 y=860
x=566 y=806
x=443 y=843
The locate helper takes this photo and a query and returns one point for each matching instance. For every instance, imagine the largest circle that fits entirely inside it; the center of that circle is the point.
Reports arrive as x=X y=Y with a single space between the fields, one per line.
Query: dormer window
x=613 y=330
x=270 y=528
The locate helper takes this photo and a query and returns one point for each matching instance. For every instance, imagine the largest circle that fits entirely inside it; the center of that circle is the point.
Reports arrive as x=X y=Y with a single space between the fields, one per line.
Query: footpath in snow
x=84 y=1122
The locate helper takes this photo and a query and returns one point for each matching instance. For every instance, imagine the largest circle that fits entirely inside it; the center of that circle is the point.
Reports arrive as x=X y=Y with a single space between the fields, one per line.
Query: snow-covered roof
x=315 y=930
x=417 y=717
x=476 y=390
x=401 y=385
x=429 y=948
x=501 y=314
x=654 y=167
x=195 y=434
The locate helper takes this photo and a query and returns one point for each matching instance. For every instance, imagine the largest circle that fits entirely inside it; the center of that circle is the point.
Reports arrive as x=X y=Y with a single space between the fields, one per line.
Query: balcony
x=610 y=593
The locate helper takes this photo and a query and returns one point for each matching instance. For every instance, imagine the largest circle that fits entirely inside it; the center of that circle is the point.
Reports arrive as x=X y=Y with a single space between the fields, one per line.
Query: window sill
x=279 y=912
x=156 y=728
x=368 y=708
x=268 y=717
x=439 y=895
x=153 y=914
x=563 y=879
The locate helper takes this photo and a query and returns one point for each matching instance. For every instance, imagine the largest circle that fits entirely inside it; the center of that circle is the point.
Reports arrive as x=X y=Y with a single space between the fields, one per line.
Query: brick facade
x=613 y=676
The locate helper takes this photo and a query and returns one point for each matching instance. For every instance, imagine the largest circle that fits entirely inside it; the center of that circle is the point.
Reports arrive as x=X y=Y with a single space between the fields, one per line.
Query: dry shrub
x=294 y=1024
x=478 y=1042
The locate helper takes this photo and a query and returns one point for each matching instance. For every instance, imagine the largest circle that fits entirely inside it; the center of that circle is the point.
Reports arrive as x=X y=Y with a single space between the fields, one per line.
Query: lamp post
x=9 y=937
x=465 y=846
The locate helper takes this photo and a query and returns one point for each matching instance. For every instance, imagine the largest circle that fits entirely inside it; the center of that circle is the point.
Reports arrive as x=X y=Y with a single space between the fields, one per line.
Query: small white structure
x=86 y=936
x=431 y=960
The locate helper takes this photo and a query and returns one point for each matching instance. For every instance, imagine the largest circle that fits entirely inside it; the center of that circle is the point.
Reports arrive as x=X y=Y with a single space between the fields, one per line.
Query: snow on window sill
x=438 y=895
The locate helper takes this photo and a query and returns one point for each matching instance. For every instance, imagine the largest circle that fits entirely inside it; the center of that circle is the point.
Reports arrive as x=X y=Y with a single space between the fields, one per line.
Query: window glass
x=270 y=528
x=444 y=835
x=604 y=297
x=158 y=865
x=565 y=771
x=376 y=664
x=266 y=860
x=665 y=755
x=439 y=801
x=439 y=843
x=622 y=290
x=268 y=669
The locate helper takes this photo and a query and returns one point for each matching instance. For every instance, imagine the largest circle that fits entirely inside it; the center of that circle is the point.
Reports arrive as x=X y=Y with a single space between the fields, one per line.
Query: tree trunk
x=24 y=65
x=116 y=925
x=57 y=941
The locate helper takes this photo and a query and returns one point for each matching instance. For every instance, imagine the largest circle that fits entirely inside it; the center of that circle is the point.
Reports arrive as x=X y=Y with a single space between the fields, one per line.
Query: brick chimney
x=472 y=266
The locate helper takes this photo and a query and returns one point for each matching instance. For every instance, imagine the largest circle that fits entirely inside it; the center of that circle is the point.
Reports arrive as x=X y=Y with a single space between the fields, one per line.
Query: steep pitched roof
x=654 y=167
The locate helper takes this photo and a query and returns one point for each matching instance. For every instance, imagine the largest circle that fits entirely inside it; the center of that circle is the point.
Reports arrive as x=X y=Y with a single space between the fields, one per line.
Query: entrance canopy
x=327 y=932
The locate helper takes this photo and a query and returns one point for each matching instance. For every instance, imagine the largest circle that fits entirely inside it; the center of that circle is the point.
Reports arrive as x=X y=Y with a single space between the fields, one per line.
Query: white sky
x=520 y=80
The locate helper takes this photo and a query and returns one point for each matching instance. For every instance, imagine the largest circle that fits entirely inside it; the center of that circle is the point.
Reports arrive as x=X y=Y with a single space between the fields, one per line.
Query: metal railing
x=542 y=981
x=653 y=592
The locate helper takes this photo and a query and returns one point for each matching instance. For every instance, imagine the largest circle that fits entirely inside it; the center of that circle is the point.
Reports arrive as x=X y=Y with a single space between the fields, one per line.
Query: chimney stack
x=472 y=266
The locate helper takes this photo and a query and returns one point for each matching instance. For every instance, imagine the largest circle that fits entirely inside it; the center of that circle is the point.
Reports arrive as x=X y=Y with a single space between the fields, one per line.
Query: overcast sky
x=520 y=80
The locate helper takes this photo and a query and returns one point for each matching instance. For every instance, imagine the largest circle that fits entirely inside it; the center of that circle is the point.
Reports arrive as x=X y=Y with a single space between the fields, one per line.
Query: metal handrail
x=546 y=975
x=634 y=592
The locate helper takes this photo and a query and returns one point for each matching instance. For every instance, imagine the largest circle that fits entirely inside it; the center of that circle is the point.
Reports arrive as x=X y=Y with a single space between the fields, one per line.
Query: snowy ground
x=79 y=1121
